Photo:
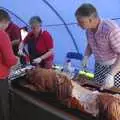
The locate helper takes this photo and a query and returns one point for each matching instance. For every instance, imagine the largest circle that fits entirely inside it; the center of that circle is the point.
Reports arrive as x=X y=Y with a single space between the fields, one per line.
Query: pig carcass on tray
x=43 y=80
x=76 y=96
x=109 y=107
x=73 y=95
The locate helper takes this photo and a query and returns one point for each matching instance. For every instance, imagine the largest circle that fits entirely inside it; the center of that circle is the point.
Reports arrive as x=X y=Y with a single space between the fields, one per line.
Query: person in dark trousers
x=12 y=30
x=7 y=60
x=39 y=45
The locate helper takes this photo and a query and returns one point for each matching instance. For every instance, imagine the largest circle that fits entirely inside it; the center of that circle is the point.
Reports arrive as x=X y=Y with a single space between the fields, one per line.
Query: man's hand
x=37 y=60
x=21 y=53
x=84 y=61
x=15 y=42
x=20 y=49
x=109 y=81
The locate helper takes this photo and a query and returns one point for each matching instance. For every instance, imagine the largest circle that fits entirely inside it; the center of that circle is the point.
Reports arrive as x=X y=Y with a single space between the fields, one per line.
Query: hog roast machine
x=29 y=104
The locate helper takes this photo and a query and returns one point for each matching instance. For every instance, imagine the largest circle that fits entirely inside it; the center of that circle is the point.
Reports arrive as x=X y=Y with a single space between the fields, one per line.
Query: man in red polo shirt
x=12 y=29
x=7 y=60
x=40 y=45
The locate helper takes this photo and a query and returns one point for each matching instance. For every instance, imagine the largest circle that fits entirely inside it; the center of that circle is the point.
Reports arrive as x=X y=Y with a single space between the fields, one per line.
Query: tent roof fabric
x=58 y=18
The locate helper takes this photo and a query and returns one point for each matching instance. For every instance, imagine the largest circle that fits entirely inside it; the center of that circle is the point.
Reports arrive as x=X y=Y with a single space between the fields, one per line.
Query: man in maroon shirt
x=12 y=29
x=7 y=60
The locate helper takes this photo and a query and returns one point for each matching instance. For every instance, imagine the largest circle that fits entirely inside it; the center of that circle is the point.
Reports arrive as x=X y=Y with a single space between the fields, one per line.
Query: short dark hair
x=86 y=10
x=4 y=15
x=25 y=28
x=35 y=19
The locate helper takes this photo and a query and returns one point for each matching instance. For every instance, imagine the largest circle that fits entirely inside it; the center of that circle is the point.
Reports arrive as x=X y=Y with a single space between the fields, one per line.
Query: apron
x=102 y=70
x=100 y=74
x=33 y=53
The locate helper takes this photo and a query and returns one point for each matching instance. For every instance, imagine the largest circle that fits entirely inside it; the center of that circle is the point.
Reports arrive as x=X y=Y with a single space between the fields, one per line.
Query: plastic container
x=68 y=68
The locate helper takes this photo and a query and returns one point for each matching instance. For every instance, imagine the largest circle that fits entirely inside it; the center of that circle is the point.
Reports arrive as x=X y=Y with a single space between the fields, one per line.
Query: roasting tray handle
x=112 y=90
